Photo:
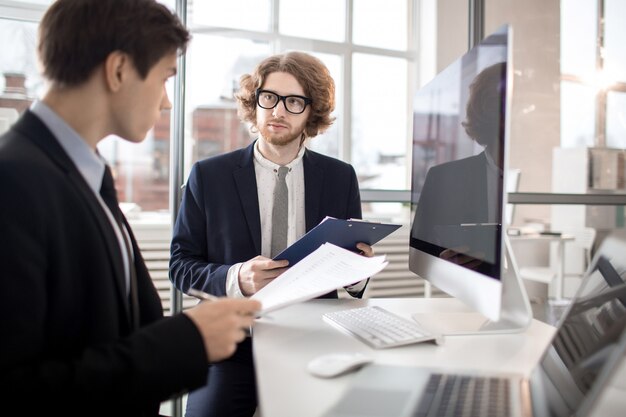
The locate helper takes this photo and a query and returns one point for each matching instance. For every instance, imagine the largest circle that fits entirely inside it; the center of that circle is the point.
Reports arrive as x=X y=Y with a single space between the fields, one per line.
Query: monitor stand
x=515 y=316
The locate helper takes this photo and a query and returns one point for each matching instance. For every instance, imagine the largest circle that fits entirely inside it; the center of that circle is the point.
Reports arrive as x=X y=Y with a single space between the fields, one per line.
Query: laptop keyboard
x=378 y=327
x=460 y=396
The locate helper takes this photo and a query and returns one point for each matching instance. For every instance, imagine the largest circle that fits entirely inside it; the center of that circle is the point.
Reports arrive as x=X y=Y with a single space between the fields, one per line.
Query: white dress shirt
x=266 y=176
x=266 y=173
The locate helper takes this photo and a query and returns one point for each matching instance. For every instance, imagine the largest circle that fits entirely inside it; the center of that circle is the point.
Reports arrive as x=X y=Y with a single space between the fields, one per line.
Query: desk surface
x=288 y=339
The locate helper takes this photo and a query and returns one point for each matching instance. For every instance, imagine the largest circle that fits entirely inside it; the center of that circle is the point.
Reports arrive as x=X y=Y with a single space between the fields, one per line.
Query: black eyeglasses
x=293 y=104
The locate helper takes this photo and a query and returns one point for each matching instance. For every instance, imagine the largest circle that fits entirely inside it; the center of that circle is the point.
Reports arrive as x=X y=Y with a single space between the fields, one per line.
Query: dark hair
x=312 y=75
x=76 y=36
x=485 y=106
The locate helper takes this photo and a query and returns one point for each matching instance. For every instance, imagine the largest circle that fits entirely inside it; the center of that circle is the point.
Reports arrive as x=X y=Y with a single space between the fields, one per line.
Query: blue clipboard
x=343 y=233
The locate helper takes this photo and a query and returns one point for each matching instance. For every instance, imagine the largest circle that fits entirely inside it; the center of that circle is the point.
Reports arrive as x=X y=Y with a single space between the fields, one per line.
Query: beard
x=281 y=139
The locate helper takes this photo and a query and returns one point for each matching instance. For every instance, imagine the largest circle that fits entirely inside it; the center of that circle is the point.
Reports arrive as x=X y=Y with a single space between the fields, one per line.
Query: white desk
x=286 y=341
x=560 y=240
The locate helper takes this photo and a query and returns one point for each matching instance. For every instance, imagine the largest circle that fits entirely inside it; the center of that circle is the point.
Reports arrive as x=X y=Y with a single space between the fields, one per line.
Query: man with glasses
x=242 y=208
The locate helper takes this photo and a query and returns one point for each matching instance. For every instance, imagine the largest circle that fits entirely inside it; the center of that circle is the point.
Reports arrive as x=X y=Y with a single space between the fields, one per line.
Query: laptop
x=588 y=346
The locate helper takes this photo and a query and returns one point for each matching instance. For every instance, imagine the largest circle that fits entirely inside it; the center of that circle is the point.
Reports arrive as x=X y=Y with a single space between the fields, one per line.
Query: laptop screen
x=590 y=334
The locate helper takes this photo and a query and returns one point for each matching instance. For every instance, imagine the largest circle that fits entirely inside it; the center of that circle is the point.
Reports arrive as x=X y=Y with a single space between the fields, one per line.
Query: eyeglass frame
x=307 y=101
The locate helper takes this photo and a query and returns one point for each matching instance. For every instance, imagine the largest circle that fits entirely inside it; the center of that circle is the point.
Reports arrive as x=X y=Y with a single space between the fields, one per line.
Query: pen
x=201 y=295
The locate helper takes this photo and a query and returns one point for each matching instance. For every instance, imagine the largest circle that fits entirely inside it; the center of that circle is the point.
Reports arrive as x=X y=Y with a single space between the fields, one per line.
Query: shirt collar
x=266 y=163
x=87 y=161
x=491 y=164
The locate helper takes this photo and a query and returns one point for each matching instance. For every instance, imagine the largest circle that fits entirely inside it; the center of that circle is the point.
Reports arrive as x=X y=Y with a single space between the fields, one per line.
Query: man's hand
x=365 y=249
x=258 y=272
x=223 y=324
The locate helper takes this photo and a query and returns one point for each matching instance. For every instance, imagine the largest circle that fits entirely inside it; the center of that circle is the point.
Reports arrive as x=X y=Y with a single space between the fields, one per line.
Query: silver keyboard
x=461 y=395
x=378 y=327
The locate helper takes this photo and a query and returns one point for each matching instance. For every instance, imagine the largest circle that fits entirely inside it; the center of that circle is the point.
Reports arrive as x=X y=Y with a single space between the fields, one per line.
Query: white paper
x=322 y=271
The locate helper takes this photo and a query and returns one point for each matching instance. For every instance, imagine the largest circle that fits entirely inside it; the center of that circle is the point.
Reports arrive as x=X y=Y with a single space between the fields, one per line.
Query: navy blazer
x=219 y=222
x=67 y=340
x=455 y=193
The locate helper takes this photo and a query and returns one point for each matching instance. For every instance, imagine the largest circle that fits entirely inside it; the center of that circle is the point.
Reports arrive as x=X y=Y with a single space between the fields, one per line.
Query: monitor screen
x=459 y=163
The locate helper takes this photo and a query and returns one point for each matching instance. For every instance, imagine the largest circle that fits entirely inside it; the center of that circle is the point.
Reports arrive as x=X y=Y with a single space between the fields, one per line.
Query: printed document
x=327 y=268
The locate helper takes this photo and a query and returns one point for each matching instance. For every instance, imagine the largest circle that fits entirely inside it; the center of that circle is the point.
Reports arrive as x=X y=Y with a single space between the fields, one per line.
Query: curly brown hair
x=312 y=75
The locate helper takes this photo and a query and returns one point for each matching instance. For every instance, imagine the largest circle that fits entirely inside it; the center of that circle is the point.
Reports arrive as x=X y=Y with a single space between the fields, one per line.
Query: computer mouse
x=335 y=364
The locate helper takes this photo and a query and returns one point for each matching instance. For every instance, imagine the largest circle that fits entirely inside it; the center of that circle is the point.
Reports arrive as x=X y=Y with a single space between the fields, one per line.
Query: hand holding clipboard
x=343 y=233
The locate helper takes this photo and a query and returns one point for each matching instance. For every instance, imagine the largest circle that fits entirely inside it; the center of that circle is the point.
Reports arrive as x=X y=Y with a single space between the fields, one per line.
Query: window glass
x=240 y=14
x=320 y=19
x=141 y=170
x=20 y=82
x=39 y=2
x=328 y=142
x=615 y=33
x=380 y=23
x=171 y=4
x=379 y=121
x=578 y=40
x=212 y=124
x=578 y=103
x=616 y=120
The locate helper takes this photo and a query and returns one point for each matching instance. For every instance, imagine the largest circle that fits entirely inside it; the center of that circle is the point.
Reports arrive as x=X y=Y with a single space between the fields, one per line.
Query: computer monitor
x=460 y=143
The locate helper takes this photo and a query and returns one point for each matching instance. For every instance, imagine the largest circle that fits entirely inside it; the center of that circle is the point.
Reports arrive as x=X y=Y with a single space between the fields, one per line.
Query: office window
x=578 y=108
x=579 y=21
x=379 y=124
x=320 y=19
x=614 y=35
x=370 y=65
x=329 y=142
x=380 y=24
x=20 y=82
x=616 y=120
x=615 y=69
x=214 y=65
x=593 y=64
x=230 y=14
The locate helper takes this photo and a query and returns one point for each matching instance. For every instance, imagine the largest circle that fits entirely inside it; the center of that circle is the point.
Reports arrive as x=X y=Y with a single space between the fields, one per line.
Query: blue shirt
x=89 y=164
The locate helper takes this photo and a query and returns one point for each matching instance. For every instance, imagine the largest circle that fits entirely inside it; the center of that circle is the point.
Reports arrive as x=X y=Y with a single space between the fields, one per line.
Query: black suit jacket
x=219 y=222
x=455 y=193
x=67 y=343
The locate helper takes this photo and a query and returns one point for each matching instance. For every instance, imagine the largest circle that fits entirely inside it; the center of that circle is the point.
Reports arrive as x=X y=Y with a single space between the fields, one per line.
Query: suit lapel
x=245 y=178
x=313 y=181
x=34 y=129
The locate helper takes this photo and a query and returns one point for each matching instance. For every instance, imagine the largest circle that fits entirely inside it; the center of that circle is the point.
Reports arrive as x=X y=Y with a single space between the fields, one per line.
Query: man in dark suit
x=81 y=322
x=229 y=227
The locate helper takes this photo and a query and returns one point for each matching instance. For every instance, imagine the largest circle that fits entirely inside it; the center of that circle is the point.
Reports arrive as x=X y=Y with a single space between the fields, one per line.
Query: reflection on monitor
x=460 y=134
